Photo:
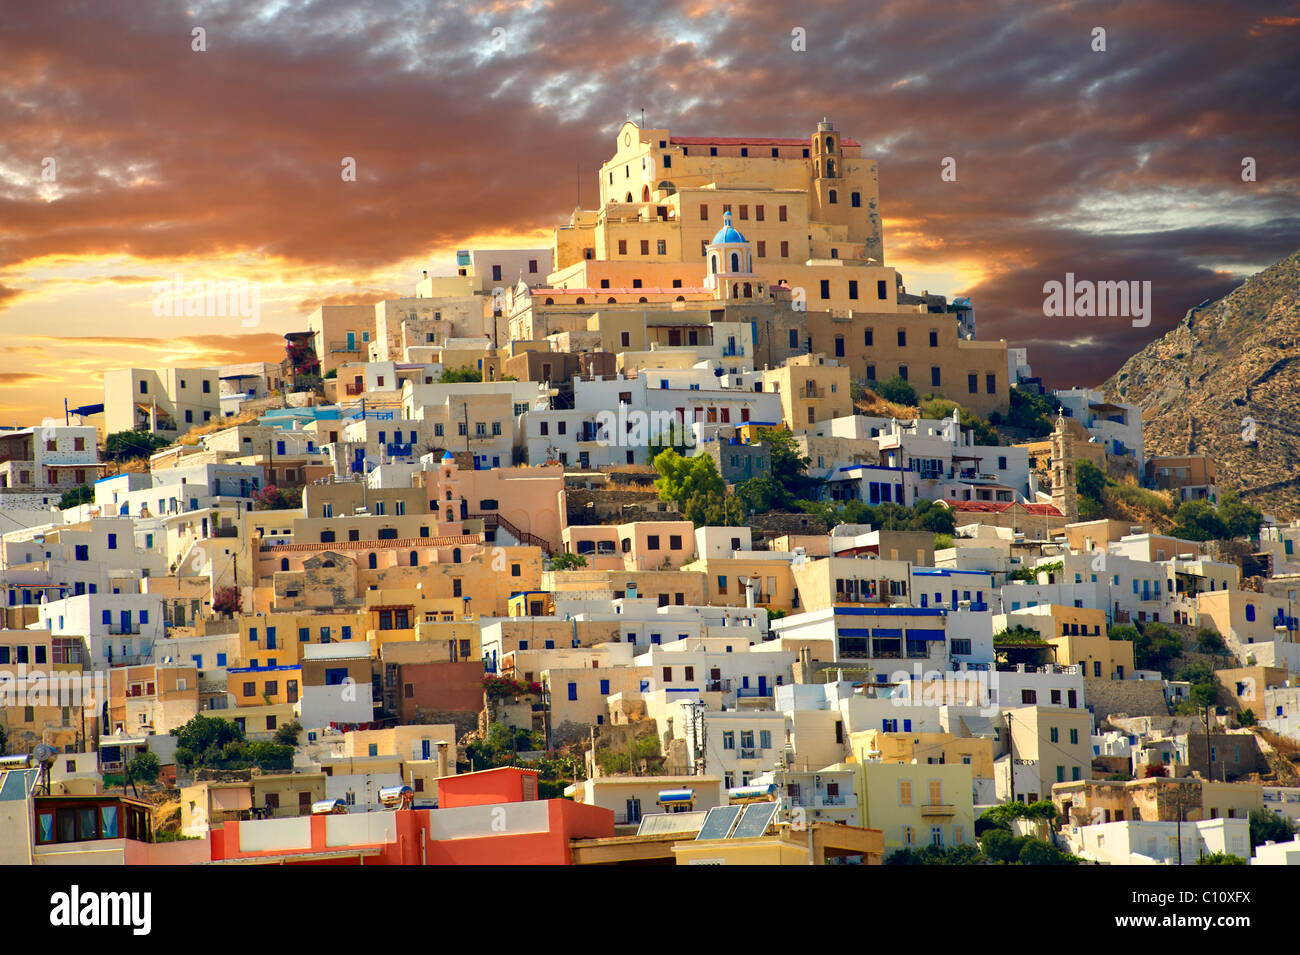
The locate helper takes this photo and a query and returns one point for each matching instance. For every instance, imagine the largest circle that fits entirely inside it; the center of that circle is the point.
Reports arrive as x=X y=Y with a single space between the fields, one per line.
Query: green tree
x=568 y=562
x=1038 y=852
x=1090 y=480
x=1239 y=519
x=1018 y=634
x=1221 y=858
x=452 y=375
x=1268 y=826
x=696 y=487
x=1198 y=521
x=929 y=516
x=1001 y=846
x=144 y=767
x=764 y=493
x=1032 y=412
x=1209 y=640
x=789 y=466
x=1155 y=646
x=127 y=445
x=1246 y=718
x=264 y=755
x=286 y=734
x=897 y=390
x=207 y=741
x=81 y=494
x=1204 y=694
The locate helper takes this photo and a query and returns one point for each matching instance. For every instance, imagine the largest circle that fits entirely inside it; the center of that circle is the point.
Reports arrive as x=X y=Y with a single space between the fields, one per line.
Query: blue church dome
x=727 y=235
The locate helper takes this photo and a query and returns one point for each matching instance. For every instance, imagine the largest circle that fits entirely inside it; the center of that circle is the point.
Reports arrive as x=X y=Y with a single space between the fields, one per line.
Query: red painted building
x=487 y=818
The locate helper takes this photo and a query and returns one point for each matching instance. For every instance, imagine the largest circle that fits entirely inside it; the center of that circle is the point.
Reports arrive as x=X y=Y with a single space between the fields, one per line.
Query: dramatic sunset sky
x=224 y=164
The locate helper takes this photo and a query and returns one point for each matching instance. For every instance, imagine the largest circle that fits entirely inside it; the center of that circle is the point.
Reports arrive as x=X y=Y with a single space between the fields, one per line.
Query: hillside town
x=694 y=537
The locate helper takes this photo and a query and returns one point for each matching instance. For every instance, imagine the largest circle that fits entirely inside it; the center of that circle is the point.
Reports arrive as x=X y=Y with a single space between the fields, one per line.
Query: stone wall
x=775 y=523
x=1126 y=697
x=611 y=506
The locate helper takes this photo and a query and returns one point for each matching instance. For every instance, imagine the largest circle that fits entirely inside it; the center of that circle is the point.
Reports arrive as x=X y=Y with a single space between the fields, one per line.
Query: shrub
x=897 y=390
x=81 y=494
x=1220 y=858
x=1268 y=826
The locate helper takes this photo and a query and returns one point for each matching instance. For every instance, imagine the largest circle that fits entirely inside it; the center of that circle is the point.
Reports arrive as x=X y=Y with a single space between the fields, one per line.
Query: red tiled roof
x=747 y=141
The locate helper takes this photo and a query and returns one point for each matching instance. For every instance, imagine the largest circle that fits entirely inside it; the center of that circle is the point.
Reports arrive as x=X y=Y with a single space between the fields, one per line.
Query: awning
x=980 y=726
x=924 y=634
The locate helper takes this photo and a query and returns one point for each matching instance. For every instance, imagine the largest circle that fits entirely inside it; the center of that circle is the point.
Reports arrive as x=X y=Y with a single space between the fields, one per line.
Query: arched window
x=455 y=556
x=713 y=264
x=645 y=193
x=580 y=301
x=735 y=261
x=374 y=562
x=449 y=517
x=749 y=290
x=415 y=559
x=642 y=300
x=284 y=563
x=667 y=188
x=834 y=197
x=681 y=298
x=612 y=300
x=550 y=301
x=629 y=197
x=830 y=169
x=735 y=290
x=830 y=144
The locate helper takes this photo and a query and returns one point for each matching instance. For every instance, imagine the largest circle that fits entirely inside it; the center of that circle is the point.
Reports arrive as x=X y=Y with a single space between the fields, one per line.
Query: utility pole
x=1180 y=830
x=1011 y=758
x=1208 y=770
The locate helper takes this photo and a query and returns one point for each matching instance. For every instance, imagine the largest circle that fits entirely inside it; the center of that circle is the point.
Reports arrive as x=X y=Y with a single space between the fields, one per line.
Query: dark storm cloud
x=1117 y=165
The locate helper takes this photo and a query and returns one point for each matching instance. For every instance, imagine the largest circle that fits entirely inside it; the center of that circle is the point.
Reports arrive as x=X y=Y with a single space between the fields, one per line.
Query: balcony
x=348 y=348
x=821 y=801
x=733 y=351
x=935 y=810
x=717 y=686
x=748 y=753
x=812 y=392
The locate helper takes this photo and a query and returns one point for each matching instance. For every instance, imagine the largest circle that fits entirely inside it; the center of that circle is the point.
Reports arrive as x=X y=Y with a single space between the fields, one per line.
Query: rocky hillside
x=1224 y=363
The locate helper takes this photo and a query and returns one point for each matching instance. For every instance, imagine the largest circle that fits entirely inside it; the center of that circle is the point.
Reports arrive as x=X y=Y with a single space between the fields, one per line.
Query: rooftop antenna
x=643 y=117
